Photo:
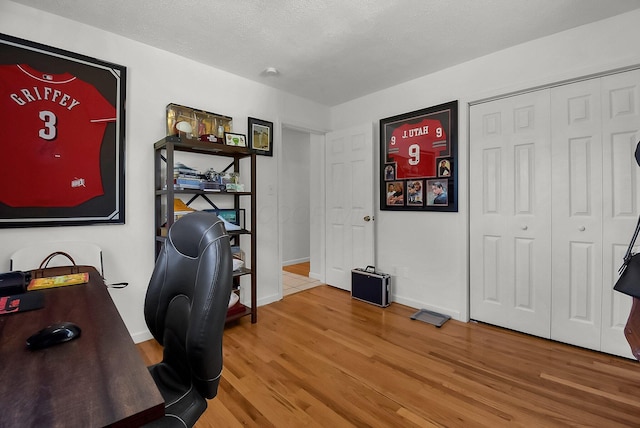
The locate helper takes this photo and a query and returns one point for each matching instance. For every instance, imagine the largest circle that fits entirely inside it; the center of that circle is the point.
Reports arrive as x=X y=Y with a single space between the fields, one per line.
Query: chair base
x=183 y=404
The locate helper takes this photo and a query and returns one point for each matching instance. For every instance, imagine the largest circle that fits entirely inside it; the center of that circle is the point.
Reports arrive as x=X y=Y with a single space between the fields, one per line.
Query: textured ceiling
x=333 y=51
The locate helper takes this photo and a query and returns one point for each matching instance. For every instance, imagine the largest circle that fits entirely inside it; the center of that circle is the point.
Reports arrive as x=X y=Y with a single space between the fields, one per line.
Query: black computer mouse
x=53 y=335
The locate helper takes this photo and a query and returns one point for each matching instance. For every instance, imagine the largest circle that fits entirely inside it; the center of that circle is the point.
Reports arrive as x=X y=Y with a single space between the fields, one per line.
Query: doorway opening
x=295 y=278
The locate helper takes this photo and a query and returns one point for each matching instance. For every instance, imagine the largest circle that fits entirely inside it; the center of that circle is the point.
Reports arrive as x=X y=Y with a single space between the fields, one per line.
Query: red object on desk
x=99 y=379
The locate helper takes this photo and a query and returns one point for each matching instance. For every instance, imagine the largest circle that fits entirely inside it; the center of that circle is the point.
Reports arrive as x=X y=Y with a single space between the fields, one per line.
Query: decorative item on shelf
x=233 y=299
x=237 y=252
x=232 y=182
x=237 y=140
x=212 y=175
x=210 y=138
x=184 y=129
x=203 y=125
x=213 y=181
x=180 y=209
x=261 y=136
x=237 y=264
x=234 y=187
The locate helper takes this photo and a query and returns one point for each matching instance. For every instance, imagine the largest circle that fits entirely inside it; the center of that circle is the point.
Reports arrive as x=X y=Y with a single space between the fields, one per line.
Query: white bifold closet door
x=583 y=183
x=595 y=207
x=510 y=202
x=621 y=199
x=577 y=196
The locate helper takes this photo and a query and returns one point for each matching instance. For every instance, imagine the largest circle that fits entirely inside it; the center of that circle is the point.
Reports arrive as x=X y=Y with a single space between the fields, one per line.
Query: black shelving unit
x=165 y=192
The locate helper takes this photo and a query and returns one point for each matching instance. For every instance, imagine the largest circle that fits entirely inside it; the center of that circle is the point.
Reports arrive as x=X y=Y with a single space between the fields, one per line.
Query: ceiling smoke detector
x=270 y=71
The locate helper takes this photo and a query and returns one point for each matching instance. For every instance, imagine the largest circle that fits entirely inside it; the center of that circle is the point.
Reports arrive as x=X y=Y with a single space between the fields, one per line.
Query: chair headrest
x=199 y=223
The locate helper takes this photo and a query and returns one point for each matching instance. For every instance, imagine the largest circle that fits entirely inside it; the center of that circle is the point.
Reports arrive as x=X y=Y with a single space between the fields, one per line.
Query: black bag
x=629 y=281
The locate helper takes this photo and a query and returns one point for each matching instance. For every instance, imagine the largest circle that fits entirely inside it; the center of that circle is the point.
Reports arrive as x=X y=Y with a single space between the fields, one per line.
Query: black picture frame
x=260 y=136
x=418 y=160
x=63 y=137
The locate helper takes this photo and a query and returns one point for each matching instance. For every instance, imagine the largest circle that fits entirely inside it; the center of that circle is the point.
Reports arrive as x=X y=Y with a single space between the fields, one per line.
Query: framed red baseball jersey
x=62 y=132
x=57 y=126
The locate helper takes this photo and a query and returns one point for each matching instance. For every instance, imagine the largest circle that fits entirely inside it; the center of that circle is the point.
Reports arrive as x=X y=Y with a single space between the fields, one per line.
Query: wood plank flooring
x=320 y=359
x=299 y=268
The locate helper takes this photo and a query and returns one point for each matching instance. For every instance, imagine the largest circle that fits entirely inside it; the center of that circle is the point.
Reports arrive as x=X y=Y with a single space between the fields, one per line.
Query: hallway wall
x=295 y=206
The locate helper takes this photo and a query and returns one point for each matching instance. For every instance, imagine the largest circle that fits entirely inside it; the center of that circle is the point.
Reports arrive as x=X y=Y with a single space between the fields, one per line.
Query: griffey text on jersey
x=44 y=94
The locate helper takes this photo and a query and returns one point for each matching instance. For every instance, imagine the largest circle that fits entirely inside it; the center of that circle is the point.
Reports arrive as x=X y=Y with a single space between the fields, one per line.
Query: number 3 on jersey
x=49 y=120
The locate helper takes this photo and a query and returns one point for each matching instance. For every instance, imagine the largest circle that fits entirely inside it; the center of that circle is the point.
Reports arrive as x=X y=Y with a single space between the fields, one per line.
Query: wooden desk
x=96 y=380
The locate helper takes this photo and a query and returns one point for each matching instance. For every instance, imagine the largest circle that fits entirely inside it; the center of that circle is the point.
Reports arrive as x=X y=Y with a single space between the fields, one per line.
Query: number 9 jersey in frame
x=418 y=160
x=370 y=286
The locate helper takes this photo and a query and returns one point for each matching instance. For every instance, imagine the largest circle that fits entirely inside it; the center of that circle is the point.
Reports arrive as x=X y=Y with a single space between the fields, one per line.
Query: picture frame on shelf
x=235 y=140
x=261 y=136
x=233 y=216
x=75 y=156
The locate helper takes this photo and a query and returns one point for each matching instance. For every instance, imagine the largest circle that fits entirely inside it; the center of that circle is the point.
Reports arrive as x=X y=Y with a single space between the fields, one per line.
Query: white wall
x=432 y=259
x=427 y=252
x=156 y=78
x=295 y=215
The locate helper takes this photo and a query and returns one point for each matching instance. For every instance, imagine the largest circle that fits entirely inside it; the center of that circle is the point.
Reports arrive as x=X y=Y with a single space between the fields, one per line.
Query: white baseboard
x=141 y=336
x=316 y=276
x=296 y=261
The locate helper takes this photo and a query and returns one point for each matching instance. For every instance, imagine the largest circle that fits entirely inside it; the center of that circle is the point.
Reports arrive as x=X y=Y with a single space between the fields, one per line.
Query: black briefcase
x=370 y=286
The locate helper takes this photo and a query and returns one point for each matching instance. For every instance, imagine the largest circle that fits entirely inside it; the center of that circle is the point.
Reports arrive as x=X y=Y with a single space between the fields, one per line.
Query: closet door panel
x=510 y=213
x=576 y=194
x=621 y=175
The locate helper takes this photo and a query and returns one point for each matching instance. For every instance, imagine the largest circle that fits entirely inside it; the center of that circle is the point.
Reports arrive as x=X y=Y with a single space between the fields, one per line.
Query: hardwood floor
x=320 y=359
x=299 y=268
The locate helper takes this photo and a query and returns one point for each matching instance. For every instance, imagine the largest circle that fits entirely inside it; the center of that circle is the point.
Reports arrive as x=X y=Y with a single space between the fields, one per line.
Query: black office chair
x=185 y=309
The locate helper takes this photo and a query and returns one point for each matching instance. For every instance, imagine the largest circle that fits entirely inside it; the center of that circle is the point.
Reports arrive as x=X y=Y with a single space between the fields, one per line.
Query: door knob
x=525 y=227
x=367 y=218
x=582 y=228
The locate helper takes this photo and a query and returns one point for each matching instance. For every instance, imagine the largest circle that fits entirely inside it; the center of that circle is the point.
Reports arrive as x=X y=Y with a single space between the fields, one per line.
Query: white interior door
x=510 y=209
x=621 y=197
x=349 y=203
x=576 y=193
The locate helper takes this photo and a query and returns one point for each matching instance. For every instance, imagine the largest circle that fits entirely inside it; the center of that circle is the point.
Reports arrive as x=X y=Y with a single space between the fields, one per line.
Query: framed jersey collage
x=62 y=137
x=418 y=160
